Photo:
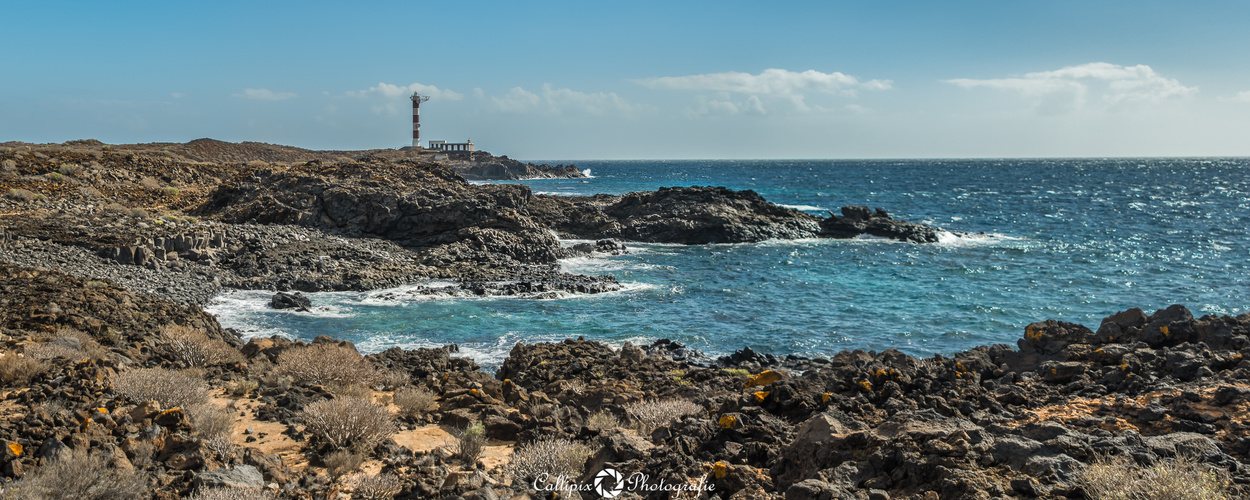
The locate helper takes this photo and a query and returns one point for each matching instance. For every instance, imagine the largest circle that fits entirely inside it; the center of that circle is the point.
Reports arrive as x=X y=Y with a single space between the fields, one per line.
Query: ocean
x=1067 y=239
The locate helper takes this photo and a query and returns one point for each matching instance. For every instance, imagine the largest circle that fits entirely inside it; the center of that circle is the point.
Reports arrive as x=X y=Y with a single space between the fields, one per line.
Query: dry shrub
x=228 y=493
x=379 y=487
x=168 y=387
x=652 y=414
x=602 y=420
x=414 y=401
x=140 y=213
x=350 y=391
x=89 y=191
x=348 y=422
x=244 y=387
x=79 y=476
x=552 y=456
x=1182 y=478
x=69 y=343
x=211 y=421
x=22 y=195
x=222 y=446
x=194 y=348
x=577 y=387
x=470 y=442
x=53 y=349
x=116 y=208
x=17 y=370
x=393 y=379
x=326 y=364
x=342 y=462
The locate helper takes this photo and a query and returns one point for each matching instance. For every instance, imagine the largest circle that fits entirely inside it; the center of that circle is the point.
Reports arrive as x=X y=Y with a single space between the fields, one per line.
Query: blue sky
x=640 y=79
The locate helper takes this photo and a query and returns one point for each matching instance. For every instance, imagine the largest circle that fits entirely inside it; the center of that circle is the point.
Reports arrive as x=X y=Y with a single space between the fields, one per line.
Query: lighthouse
x=417 y=99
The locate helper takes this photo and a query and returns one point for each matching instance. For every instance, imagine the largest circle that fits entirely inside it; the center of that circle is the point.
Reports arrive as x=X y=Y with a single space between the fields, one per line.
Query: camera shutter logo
x=609 y=483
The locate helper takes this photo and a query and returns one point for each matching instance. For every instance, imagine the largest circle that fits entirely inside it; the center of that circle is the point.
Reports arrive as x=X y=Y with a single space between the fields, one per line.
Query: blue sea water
x=1068 y=239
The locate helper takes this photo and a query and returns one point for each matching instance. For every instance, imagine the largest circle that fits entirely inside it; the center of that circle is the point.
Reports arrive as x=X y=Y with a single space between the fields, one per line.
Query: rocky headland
x=116 y=383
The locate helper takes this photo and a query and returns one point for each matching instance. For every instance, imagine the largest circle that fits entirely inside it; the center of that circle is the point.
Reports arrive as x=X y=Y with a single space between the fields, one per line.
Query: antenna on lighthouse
x=417 y=99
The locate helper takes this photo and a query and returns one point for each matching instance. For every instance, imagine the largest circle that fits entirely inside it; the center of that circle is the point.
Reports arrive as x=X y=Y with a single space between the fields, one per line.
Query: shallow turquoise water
x=1073 y=240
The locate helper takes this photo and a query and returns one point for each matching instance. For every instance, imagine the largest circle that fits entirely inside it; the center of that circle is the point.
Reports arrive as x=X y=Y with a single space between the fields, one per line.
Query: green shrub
x=741 y=372
x=470 y=443
x=69 y=169
x=170 y=192
x=54 y=176
x=24 y=195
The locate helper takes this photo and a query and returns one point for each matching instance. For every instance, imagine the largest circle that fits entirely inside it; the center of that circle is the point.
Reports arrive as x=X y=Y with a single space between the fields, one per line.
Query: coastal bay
x=667 y=293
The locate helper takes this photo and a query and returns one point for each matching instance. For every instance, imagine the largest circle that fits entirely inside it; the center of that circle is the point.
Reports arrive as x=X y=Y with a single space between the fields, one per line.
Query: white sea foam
x=949 y=239
x=587 y=174
x=804 y=207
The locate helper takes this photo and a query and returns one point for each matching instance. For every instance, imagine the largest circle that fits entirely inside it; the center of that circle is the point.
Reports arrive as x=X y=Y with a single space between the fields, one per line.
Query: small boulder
x=239 y=476
x=297 y=301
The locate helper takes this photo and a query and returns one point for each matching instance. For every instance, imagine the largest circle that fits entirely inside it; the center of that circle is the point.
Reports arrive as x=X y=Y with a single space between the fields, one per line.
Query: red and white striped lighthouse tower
x=417 y=99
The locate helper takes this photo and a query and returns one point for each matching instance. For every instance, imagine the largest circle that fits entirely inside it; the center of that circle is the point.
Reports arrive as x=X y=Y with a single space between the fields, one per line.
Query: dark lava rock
x=857 y=220
x=284 y=300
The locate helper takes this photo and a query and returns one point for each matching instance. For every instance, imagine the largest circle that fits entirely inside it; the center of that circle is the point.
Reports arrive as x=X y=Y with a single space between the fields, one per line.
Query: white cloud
x=388 y=91
x=1242 y=96
x=1072 y=87
x=177 y=95
x=724 y=105
x=265 y=95
x=771 y=83
x=563 y=101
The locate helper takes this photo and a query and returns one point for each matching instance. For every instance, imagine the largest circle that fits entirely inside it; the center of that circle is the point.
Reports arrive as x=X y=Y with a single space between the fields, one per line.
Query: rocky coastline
x=106 y=254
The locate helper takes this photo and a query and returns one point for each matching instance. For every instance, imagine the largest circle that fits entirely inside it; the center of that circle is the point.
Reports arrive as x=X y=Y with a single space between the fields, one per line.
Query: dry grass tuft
x=602 y=420
x=210 y=421
x=342 y=462
x=17 y=370
x=414 y=401
x=1182 y=478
